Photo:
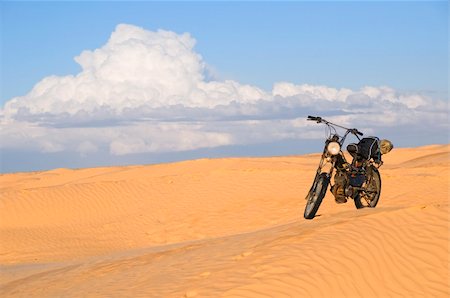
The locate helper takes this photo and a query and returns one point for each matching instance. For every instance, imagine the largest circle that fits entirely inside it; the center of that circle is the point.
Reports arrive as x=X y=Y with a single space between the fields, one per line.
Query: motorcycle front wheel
x=316 y=195
x=370 y=191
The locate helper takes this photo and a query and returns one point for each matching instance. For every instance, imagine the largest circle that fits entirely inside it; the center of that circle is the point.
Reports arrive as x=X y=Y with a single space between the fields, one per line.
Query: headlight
x=333 y=148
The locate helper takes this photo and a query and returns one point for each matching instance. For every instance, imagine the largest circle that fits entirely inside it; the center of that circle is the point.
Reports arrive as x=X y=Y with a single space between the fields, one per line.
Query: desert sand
x=224 y=228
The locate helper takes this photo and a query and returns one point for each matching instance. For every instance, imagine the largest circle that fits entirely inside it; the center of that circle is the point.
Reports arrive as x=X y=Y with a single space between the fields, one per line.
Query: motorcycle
x=359 y=180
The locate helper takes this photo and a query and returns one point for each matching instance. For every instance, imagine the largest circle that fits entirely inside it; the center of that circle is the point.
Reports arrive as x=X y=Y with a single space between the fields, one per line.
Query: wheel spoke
x=369 y=193
x=316 y=195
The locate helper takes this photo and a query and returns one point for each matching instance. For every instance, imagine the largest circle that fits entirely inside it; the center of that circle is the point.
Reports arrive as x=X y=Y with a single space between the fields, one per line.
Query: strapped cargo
x=369 y=148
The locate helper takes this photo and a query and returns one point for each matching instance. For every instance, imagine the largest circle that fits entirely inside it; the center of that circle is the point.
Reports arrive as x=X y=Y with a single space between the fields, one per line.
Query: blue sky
x=340 y=44
x=398 y=49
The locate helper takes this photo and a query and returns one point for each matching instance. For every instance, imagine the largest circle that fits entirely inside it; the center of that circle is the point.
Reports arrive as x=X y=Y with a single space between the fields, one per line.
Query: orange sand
x=224 y=228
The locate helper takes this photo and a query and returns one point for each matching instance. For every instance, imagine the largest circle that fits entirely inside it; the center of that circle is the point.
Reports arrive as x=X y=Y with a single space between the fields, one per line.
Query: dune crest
x=224 y=228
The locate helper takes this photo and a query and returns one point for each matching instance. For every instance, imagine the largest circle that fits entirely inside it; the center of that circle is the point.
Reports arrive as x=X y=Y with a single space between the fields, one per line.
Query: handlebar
x=313 y=118
x=356 y=132
x=320 y=120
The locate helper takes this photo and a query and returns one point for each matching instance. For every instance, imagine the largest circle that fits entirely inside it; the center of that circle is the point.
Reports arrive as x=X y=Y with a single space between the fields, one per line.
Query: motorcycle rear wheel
x=316 y=195
x=370 y=196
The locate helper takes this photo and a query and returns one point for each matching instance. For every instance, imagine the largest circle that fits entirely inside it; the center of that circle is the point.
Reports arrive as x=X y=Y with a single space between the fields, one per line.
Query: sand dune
x=224 y=228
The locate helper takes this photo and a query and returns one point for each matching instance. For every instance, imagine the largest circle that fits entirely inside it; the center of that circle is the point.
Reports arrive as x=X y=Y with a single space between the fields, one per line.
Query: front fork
x=324 y=160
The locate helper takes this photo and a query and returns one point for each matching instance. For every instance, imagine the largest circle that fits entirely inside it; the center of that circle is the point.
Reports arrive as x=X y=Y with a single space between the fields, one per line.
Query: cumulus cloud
x=147 y=91
x=134 y=68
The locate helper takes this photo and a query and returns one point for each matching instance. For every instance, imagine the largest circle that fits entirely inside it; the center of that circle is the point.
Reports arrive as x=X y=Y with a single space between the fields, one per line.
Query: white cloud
x=148 y=91
x=285 y=89
x=49 y=147
x=86 y=147
x=134 y=68
x=165 y=137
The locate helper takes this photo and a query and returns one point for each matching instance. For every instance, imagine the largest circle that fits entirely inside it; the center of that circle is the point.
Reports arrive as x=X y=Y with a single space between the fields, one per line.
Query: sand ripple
x=224 y=228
